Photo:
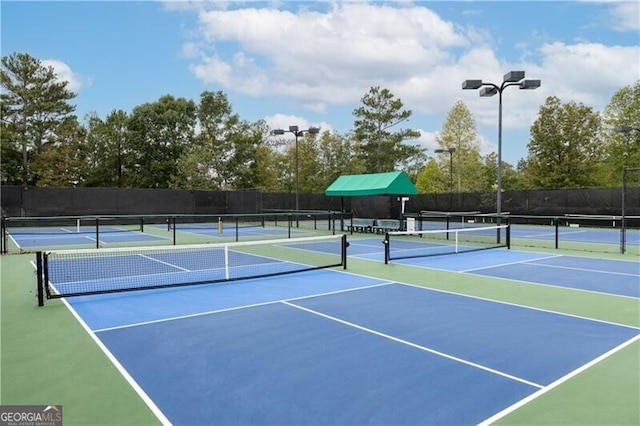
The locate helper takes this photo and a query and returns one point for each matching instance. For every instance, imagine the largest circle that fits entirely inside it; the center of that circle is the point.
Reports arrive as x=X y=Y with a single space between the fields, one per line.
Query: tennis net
x=70 y=224
x=412 y=244
x=68 y=273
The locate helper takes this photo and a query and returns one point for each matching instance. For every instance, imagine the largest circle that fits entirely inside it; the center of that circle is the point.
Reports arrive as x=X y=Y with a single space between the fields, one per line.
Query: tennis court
x=334 y=348
x=477 y=337
x=608 y=276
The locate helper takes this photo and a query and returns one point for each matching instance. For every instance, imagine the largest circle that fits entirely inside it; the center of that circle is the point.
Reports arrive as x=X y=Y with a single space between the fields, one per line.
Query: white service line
x=414 y=345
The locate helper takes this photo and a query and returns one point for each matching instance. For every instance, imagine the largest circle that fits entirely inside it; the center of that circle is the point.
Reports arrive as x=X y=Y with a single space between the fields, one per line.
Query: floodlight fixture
x=297 y=133
x=441 y=151
x=488 y=91
x=471 y=84
x=530 y=84
x=512 y=78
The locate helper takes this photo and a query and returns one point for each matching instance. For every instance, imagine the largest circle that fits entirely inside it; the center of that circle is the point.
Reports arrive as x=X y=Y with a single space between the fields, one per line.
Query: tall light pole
x=297 y=133
x=450 y=151
x=512 y=78
x=623 y=231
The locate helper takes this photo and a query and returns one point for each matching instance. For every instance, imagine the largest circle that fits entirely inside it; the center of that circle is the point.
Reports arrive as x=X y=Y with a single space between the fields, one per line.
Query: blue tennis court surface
x=69 y=237
x=329 y=347
x=212 y=230
x=616 y=277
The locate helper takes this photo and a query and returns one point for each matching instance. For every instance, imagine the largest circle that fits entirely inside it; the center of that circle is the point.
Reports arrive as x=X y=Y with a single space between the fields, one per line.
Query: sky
x=309 y=63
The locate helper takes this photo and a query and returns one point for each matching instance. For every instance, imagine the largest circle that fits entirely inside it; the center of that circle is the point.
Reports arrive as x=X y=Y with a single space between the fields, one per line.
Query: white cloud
x=76 y=82
x=331 y=57
x=626 y=16
x=323 y=58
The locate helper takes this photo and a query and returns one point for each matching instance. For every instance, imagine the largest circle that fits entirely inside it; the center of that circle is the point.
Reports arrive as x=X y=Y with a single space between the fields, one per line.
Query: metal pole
x=450 y=179
x=297 y=173
x=499 y=195
x=623 y=227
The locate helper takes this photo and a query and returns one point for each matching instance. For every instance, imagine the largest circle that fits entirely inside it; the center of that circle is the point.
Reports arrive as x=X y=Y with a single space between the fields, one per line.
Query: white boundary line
x=136 y=387
x=503 y=302
x=516 y=262
x=533 y=262
x=557 y=383
x=414 y=345
x=235 y=308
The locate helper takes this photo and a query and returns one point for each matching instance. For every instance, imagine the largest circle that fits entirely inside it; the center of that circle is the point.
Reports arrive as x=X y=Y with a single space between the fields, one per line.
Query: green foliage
x=620 y=149
x=432 y=179
x=381 y=149
x=62 y=162
x=159 y=133
x=459 y=133
x=106 y=145
x=174 y=142
x=564 y=148
x=34 y=106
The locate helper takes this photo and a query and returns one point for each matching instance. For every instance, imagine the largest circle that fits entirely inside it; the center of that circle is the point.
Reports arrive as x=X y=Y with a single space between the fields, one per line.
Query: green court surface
x=48 y=357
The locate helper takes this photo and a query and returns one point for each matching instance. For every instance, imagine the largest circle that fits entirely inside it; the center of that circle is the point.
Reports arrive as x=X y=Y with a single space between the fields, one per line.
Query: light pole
x=512 y=78
x=623 y=230
x=450 y=151
x=297 y=133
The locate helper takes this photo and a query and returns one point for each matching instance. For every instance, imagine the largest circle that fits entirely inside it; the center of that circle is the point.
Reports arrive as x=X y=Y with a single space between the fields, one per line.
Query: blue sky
x=309 y=63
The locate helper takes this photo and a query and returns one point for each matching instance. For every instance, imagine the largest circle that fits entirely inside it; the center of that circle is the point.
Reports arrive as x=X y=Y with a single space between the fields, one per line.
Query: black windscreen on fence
x=36 y=201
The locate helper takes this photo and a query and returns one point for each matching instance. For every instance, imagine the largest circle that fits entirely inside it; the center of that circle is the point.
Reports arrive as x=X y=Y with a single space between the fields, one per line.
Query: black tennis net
x=68 y=273
x=412 y=244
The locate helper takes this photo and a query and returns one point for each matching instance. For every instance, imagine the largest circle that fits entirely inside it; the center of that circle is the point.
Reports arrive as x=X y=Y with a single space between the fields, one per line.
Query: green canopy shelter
x=389 y=183
x=373 y=184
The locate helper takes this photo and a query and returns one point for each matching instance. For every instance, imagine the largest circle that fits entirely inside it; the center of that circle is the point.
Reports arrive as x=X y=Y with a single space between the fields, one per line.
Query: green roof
x=390 y=183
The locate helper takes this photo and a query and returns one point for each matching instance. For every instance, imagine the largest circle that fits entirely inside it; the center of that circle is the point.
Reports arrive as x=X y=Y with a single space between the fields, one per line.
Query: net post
x=226 y=262
x=333 y=219
x=237 y=227
x=508 y=236
x=386 y=248
x=40 y=274
x=344 y=251
x=557 y=231
x=97 y=233
x=141 y=224
x=448 y=226
x=3 y=235
x=173 y=225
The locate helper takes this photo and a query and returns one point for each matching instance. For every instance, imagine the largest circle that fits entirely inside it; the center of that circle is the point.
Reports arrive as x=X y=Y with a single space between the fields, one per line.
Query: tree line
x=182 y=143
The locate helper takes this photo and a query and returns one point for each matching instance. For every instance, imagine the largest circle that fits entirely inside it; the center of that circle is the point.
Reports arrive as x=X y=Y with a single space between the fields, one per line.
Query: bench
x=385 y=225
x=361 y=225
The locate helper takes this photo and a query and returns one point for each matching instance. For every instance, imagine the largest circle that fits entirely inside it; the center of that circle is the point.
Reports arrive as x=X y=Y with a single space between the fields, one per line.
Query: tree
x=620 y=149
x=106 y=148
x=564 y=147
x=224 y=149
x=381 y=149
x=62 y=161
x=159 y=132
x=35 y=105
x=337 y=156
x=432 y=179
x=459 y=132
x=10 y=156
